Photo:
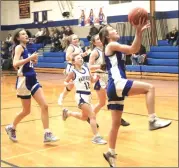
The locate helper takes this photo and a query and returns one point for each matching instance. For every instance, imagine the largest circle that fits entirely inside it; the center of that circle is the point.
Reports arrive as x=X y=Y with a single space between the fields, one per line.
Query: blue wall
x=72 y=22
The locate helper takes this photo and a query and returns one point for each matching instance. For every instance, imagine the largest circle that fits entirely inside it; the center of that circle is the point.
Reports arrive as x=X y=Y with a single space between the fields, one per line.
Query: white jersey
x=82 y=79
x=99 y=59
x=76 y=48
x=103 y=76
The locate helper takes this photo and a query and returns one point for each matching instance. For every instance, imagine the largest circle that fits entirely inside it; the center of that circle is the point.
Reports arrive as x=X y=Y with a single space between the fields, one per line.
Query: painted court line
x=55 y=147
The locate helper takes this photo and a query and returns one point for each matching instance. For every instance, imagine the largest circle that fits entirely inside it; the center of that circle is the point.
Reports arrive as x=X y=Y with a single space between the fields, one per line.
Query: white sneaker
x=158 y=123
x=99 y=140
x=60 y=99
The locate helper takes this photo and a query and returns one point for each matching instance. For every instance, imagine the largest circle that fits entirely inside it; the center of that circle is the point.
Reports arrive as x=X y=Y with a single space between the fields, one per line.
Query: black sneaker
x=111 y=159
x=124 y=123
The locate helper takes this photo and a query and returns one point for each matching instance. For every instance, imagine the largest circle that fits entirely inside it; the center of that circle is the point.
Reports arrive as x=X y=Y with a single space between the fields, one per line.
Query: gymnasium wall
x=116 y=13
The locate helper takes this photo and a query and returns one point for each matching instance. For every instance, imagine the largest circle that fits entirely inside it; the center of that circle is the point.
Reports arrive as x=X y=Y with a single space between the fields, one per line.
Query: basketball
x=135 y=15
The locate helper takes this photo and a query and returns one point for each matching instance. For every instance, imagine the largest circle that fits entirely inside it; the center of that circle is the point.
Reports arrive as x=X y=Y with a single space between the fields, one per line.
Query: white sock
x=97 y=135
x=152 y=117
x=13 y=127
x=47 y=130
x=112 y=151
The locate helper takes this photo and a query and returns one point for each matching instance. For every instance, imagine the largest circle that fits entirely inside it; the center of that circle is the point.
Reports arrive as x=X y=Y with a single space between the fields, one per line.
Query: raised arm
x=114 y=46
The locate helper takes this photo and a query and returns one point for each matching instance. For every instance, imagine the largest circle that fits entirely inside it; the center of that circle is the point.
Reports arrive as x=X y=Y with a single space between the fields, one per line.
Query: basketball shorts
x=116 y=92
x=82 y=97
x=27 y=86
x=102 y=82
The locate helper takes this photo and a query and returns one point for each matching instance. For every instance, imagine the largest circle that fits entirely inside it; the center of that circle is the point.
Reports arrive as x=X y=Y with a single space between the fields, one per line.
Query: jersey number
x=31 y=64
x=87 y=85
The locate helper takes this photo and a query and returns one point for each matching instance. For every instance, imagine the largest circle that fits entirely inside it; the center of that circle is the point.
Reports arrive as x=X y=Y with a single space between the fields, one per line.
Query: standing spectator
x=101 y=16
x=82 y=18
x=91 y=17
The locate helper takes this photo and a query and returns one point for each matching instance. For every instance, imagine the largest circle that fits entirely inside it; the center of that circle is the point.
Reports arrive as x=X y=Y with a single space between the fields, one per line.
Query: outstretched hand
x=143 y=24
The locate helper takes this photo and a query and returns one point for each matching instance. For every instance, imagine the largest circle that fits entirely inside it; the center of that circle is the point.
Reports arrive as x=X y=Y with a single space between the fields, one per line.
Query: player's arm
x=94 y=54
x=134 y=48
x=94 y=78
x=16 y=61
x=70 y=76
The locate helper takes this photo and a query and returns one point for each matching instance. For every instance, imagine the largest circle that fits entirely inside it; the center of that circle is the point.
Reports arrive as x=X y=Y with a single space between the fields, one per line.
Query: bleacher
x=161 y=59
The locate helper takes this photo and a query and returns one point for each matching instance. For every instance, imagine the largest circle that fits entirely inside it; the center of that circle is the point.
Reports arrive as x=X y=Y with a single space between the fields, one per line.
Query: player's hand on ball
x=142 y=25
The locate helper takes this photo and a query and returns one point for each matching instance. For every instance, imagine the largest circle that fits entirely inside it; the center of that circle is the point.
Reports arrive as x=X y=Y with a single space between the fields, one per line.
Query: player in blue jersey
x=27 y=86
x=95 y=62
x=119 y=86
x=81 y=78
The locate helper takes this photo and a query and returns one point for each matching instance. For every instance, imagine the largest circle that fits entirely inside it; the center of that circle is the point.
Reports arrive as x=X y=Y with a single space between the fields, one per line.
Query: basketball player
x=81 y=77
x=119 y=86
x=72 y=50
x=27 y=86
x=96 y=59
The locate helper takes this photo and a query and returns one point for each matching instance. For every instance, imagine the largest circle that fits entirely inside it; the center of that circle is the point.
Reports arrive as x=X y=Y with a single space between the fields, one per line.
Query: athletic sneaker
x=11 y=132
x=99 y=140
x=49 y=137
x=158 y=123
x=60 y=99
x=111 y=159
x=124 y=123
x=64 y=114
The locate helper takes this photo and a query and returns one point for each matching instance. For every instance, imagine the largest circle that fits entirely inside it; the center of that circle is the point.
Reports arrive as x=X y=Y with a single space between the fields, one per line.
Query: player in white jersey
x=72 y=50
x=119 y=86
x=81 y=77
x=95 y=62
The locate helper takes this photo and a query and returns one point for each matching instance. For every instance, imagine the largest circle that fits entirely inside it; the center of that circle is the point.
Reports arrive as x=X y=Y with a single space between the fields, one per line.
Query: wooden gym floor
x=136 y=145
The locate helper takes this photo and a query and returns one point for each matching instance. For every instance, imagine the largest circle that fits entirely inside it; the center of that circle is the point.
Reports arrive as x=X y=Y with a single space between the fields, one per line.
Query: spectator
x=101 y=16
x=56 y=44
x=82 y=18
x=9 y=38
x=139 y=57
x=39 y=33
x=172 y=36
x=68 y=31
x=92 y=32
x=91 y=17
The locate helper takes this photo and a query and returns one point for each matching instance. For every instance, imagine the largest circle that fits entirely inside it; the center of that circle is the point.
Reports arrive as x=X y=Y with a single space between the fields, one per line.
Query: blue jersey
x=101 y=17
x=116 y=66
x=26 y=69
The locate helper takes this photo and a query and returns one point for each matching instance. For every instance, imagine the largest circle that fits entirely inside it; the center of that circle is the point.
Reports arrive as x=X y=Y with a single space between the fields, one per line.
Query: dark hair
x=103 y=38
x=15 y=40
